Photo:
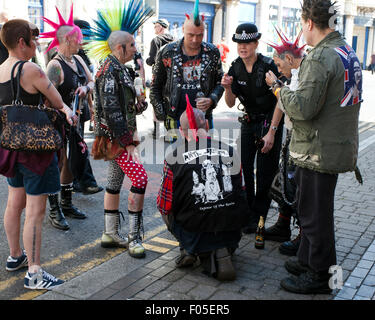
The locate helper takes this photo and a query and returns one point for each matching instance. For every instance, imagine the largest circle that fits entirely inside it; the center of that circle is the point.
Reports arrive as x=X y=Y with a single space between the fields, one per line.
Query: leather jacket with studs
x=167 y=79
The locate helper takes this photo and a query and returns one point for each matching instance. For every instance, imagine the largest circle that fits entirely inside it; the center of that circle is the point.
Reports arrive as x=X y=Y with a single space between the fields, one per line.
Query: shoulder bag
x=26 y=127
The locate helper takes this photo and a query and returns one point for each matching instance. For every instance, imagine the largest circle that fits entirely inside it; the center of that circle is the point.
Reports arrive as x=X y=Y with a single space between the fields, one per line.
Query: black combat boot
x=56 y=217
x=309 y=282
x=66 y=203
x=280 y=231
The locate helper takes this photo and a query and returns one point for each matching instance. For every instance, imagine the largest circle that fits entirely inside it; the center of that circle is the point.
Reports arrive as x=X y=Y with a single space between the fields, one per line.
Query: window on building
x=246 y=12
x=36 y=12
x=290 y=23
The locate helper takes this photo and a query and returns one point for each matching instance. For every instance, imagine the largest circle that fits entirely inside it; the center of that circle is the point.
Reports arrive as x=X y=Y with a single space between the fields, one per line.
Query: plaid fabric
x=164 y=198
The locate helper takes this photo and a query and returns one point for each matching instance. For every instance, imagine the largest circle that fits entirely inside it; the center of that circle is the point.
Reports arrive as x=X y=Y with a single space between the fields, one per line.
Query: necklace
x=65 y=58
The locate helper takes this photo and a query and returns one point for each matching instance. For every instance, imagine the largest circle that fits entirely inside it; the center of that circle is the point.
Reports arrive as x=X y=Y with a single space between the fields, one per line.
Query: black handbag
x=29 y=128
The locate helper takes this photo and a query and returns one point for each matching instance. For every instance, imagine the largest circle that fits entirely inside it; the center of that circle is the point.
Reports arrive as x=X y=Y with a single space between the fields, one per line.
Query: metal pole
x=224 y=18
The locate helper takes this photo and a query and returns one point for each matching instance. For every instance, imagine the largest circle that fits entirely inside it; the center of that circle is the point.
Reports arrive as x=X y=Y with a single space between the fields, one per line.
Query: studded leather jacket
x=168 y=78
x=115 y=111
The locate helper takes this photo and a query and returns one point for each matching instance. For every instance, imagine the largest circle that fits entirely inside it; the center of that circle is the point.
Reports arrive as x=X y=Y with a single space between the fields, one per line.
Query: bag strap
x=15 y=95
x=18 y=78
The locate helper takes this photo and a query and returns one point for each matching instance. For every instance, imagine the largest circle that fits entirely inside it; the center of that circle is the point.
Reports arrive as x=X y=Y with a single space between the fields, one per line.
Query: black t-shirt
x=251 y=88
x=191 y=67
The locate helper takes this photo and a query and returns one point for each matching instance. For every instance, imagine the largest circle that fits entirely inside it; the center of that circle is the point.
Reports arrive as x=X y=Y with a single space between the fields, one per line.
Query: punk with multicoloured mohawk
x=128 y=17
x=195 y=16
x=112 y=42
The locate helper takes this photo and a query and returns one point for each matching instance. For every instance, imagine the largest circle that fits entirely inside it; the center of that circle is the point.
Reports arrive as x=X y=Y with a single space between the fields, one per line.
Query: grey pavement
x=258 y=271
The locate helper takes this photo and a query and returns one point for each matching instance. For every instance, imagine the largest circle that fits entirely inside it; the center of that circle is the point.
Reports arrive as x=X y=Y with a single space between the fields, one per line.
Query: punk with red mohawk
x=288 y=46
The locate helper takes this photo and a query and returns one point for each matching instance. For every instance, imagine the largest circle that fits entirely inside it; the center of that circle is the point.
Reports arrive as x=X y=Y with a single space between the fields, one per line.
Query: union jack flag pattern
x=353 y=76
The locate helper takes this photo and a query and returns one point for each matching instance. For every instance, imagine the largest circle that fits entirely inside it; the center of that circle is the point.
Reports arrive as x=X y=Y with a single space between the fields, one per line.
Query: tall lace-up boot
x=66 y=203
x=111 y=237
x=56 y=217
x=136 y=249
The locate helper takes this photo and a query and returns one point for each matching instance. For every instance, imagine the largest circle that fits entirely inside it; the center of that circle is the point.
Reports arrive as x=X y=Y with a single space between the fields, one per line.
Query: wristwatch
x=274 y=128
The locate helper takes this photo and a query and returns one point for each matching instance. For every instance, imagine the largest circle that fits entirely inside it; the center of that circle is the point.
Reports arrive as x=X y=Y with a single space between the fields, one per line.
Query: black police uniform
x=259 y=104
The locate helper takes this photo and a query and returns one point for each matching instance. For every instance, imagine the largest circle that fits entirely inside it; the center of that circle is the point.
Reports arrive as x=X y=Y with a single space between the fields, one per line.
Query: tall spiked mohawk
x=57 y=26
x=191 y=118
x=127 y=18
x=197 y=20
x=287 y=45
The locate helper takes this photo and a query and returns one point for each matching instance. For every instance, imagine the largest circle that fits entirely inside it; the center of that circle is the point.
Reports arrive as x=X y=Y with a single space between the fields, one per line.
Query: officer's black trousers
x=266 y=168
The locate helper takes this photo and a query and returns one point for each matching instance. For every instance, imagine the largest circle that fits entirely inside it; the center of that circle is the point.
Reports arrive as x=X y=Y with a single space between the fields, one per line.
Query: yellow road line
x=73 y=273
x=165 y=241
x=155 y=248
x=82 y=268
x=69 y=255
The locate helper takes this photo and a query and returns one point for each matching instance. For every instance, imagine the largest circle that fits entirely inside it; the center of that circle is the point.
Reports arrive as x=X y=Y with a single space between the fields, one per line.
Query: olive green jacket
x=325 y=135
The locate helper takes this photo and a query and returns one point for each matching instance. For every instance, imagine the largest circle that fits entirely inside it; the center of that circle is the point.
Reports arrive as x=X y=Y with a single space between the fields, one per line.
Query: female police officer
x=261 y=127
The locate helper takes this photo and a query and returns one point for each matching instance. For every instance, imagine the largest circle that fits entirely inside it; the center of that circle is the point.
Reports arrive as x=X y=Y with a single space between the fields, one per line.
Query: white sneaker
x=41 y=280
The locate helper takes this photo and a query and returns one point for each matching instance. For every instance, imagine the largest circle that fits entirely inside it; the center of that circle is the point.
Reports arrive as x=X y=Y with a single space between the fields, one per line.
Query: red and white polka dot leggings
x=135 y=172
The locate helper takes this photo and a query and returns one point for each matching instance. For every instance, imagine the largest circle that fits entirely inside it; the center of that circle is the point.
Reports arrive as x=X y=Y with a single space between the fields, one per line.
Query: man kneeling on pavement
x=201 y=198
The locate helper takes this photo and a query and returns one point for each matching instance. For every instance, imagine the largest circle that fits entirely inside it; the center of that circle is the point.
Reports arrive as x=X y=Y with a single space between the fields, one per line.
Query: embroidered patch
x=167 y=62
x=109 y=85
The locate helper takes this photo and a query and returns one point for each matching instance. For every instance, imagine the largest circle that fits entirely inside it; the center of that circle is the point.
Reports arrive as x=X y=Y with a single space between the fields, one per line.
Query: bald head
x=199 y=118
x=66 y=31
x=190 y=23
x=193 y=36
x=118 y=38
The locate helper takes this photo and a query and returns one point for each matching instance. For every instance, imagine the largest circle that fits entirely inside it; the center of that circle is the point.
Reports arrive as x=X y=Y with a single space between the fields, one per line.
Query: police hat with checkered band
x=246 y=32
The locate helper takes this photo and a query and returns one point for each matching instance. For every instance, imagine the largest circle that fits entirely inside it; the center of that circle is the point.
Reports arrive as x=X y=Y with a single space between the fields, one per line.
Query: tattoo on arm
x=41 y=73
x=54 y=74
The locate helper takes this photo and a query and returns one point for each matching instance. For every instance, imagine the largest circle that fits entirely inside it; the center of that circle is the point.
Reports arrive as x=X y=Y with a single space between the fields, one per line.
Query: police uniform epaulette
x=266 y=60
x=235 y=61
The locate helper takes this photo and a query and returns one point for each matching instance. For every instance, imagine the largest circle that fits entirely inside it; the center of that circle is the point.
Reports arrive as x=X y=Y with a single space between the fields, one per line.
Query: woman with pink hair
x=71 y=76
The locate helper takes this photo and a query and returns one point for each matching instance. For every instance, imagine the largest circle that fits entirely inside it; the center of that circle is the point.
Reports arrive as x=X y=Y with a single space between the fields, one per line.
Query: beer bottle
x=259 y=235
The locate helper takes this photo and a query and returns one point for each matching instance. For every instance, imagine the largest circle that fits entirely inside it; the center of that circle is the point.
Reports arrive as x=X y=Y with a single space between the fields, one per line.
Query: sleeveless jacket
x=207 y=186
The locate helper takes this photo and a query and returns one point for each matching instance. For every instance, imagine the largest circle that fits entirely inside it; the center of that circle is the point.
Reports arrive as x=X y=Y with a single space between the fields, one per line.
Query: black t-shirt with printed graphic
x=191 y=67
x=207 y=186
